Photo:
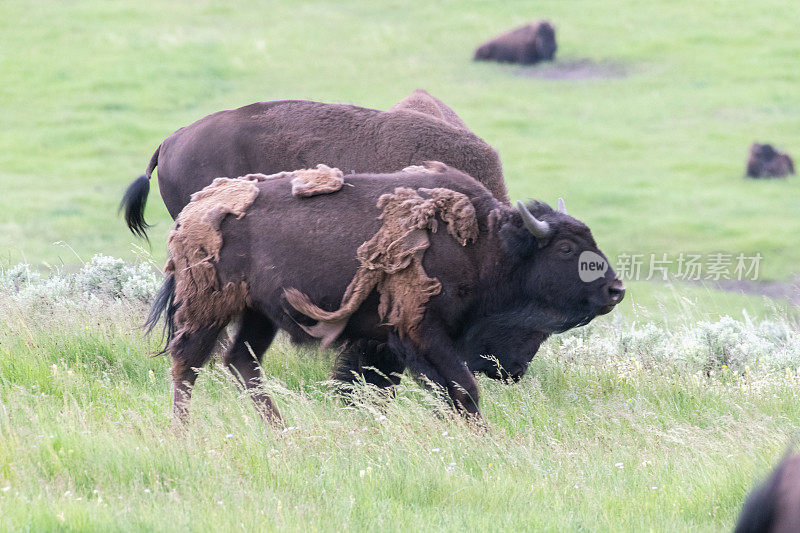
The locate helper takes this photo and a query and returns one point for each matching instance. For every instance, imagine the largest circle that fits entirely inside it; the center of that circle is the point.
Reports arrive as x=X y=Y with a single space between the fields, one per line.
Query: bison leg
x=371 y=359
x=433 y=357
x=190 y=351
x=243 y=359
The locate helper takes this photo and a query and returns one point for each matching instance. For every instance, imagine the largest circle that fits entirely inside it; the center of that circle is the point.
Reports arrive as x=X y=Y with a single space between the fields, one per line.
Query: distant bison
x=766 y=162
x=527 y=45
x=774 y=507
x=270 y=137
x=367 y=264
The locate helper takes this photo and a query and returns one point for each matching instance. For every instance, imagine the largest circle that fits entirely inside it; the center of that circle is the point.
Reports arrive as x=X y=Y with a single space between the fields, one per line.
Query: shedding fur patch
x=427 y=167
x=194 y=245
x=391 y=261
x=308 y=181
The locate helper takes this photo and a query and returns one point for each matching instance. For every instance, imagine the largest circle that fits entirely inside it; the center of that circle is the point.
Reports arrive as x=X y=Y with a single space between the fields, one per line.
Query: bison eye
x=565 y=248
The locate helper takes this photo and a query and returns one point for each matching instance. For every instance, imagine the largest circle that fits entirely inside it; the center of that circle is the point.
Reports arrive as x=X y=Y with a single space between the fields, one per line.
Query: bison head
x=553 y=278
x=545 y=41
x=566 y=278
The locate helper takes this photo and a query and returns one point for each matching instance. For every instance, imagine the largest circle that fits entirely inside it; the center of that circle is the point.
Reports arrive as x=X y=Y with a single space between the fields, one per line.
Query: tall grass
x=619 y=426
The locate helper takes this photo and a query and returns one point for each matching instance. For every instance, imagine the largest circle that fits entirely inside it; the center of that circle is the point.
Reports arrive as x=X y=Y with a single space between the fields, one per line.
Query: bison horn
x=539 y=228
x=562 y=208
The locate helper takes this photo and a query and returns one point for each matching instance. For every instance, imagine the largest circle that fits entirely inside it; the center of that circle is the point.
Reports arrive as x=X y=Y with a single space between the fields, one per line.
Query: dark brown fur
x=421 y=101
x=501 y=295
x=526 y=45
x=774 y=507
x=766 y=162
x=270 y=137
x=391 y=261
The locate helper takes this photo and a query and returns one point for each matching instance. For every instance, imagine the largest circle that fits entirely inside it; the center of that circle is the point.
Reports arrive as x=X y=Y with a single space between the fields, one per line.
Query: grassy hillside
x=652 y=161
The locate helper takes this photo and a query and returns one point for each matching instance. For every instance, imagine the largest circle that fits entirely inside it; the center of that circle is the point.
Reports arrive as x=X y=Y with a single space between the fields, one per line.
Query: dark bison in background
x=526 y=45
x=774 y=507
x=270 y=137
x=502 y=294
x=766 y=162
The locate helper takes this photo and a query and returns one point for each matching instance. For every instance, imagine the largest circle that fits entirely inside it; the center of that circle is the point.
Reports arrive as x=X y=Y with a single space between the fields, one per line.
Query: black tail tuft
x=135 y=198
x=133 y=202
x=164 y=304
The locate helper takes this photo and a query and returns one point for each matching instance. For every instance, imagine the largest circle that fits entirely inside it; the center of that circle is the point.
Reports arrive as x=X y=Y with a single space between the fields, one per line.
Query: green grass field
x=619 y=426
x=616 y=427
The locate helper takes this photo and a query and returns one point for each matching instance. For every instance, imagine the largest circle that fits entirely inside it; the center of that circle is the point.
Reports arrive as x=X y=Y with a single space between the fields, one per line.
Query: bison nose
x=616 y=291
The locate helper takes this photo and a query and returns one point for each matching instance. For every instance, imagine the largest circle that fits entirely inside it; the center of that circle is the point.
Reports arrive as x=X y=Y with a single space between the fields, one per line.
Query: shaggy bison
x=766 y=162
x=271 y=137
x=366 y=264
x=774 y=507
x=527 y=45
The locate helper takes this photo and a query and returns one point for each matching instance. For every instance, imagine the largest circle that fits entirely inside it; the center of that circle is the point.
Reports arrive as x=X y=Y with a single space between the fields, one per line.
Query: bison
x=775 y=505
x=766 y=162
x=270 y=137
x=526 y=45
x=496 y=282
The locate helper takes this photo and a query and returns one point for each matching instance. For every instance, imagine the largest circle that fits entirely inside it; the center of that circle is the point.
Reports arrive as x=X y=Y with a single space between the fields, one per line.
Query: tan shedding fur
x=429 y=167
x=391 y=261
x=194 y=245
x=308 y=181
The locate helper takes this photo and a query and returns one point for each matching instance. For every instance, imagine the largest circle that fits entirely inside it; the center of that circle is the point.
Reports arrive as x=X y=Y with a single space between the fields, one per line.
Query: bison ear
x=516 y=239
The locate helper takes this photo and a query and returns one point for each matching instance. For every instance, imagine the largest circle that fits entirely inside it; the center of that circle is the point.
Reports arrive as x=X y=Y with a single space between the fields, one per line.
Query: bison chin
x=607 y=309
x=501 y=374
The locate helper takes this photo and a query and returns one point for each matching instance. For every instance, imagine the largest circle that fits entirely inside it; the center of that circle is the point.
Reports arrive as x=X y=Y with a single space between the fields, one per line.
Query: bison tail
x=135 y=199
x=164 y=304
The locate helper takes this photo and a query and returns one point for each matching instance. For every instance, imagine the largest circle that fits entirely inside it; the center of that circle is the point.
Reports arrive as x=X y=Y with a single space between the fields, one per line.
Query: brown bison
x=270 y=137
x=526 y=45
x=774 y=507
x=766 y=162
x=366 y=265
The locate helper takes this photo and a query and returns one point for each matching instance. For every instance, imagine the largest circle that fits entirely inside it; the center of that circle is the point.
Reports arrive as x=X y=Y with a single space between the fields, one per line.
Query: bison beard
x=392 y=261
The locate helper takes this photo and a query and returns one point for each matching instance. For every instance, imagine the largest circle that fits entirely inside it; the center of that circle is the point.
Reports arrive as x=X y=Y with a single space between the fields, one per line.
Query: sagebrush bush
x=735 y=344
x=706 y=346
x=103 y=277
x=111 y=276
x=18 y=276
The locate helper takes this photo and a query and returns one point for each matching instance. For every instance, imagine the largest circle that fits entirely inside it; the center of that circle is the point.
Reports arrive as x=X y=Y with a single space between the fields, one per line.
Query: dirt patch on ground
x=576 y=69
x=779 y=290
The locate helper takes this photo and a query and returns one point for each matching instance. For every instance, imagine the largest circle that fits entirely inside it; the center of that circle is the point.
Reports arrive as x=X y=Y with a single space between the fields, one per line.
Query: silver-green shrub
x=103 y=277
